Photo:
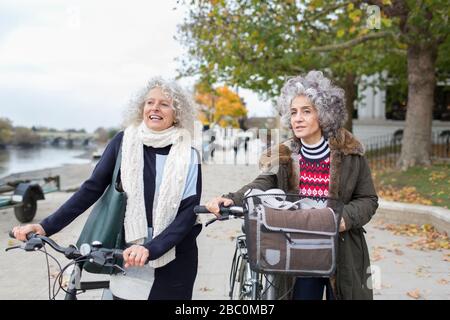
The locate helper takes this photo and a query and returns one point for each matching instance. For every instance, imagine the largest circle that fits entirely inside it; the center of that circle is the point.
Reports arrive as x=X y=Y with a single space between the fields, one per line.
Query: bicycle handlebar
x=225 y=212
x=45 y=239
x=230 y=211
x=100 y=255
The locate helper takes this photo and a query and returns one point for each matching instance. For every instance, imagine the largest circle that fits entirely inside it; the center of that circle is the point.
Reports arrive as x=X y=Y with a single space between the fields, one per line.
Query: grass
x=423 y=185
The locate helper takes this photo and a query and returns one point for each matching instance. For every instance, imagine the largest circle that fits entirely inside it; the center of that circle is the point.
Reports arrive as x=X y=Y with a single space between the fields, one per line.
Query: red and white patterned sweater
x=314 y=161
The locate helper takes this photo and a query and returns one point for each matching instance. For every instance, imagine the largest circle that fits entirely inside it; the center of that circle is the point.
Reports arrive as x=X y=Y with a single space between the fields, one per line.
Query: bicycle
x=282 y=242
x=251 y=285
x=94 y=253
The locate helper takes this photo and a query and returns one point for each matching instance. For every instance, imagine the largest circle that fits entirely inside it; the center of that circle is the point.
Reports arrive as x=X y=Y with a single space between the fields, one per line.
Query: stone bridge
x=64 y=138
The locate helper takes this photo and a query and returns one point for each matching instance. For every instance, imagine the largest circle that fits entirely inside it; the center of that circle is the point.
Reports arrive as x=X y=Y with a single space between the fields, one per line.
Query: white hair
x=183 y=104
x=328 y=99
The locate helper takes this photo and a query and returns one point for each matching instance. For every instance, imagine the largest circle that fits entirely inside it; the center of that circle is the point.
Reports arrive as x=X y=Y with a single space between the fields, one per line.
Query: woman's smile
x=155 y=118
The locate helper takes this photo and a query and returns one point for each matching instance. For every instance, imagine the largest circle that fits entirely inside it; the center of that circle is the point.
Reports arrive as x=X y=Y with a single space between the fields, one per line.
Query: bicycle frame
x=250 y=282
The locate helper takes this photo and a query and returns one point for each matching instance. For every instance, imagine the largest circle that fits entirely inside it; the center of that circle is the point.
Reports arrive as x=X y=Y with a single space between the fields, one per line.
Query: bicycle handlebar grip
x=29 y=235
x=118 y=254
x=201 y=209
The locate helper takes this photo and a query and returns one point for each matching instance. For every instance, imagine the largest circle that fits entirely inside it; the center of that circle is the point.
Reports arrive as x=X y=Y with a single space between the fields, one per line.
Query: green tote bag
x=105 y=223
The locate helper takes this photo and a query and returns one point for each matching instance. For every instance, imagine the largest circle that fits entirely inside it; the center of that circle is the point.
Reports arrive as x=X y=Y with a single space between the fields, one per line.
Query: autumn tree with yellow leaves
x=219 y=106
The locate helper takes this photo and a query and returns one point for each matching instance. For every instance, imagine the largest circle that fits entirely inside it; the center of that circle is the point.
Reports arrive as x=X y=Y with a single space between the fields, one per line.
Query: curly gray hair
x=182 y=102
x=329 y=101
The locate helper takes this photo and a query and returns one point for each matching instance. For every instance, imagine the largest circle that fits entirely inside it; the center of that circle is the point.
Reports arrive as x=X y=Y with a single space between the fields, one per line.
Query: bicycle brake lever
x=222 y=217
x=211 y=221
x=120 y=268
x=33 y=244
x=14 y=247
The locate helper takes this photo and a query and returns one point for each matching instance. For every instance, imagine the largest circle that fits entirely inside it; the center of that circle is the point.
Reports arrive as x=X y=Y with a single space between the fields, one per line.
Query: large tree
x=423 y=27
x=256 y=44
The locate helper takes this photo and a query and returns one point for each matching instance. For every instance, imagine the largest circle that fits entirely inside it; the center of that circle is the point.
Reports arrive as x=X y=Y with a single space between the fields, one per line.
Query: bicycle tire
x=233 y=273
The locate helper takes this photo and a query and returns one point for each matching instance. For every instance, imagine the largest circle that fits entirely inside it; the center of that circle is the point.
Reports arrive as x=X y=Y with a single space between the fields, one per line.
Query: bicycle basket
x=284 y=238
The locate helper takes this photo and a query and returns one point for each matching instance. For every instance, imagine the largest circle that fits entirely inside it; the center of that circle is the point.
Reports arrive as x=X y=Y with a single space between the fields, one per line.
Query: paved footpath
x=399 y=270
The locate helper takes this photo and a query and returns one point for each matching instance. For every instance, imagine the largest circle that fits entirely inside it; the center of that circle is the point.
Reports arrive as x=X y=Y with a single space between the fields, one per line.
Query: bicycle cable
x=48 y=270
x=61 y=275
x=44 y=250
x=271 y=284
x=58 y=280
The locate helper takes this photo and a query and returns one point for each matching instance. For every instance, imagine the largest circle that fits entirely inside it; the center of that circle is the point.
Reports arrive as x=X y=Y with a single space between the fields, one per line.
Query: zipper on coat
x=363 y=279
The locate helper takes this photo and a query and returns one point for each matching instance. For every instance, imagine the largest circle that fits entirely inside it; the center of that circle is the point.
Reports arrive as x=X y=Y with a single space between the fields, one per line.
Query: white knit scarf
x=171 y=190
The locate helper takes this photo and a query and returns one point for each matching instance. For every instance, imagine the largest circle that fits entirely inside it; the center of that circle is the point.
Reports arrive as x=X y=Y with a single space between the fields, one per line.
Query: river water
x=17 y=160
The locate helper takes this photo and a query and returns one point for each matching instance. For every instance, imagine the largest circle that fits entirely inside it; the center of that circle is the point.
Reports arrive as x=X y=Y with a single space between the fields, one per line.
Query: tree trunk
x=350 y=97
x=416 y=144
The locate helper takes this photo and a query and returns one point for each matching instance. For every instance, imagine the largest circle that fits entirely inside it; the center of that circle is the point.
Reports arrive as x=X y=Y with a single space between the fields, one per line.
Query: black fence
x=382 y=152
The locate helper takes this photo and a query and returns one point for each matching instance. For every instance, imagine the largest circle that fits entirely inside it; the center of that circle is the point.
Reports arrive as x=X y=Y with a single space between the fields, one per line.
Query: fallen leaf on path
x=415 y=294
x=376 y=256
x=405 y=194
x=395 y=244
x=442 y=281
x=205 y=289
x=398 y=252
x=429 y=237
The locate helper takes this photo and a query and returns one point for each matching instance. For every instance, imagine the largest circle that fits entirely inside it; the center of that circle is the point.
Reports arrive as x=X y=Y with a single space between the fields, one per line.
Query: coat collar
x=346 y=143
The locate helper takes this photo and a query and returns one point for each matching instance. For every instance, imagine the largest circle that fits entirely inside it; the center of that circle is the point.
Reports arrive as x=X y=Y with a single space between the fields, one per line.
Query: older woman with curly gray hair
x=161 y=176
x=322 y=161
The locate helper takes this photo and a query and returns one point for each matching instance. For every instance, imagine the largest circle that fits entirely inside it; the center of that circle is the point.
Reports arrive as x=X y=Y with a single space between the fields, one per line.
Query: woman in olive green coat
x=315 y=111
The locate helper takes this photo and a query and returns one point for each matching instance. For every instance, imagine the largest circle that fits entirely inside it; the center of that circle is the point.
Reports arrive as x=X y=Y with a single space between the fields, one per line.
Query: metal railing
x=383 y=151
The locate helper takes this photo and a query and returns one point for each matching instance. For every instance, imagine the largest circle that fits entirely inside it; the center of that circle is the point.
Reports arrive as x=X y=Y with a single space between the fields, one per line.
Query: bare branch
x=353 y=42
x=401 y=52
x=327 y=10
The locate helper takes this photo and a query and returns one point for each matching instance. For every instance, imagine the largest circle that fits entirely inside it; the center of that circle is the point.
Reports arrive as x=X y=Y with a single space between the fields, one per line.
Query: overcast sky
x=76 y=63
